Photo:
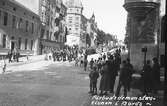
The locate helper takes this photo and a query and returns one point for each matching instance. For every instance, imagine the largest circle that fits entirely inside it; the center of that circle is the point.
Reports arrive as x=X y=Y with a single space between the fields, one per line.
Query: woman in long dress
x=104 y=82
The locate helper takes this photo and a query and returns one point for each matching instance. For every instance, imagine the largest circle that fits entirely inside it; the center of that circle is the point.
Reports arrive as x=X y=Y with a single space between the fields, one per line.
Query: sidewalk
x=22 y=61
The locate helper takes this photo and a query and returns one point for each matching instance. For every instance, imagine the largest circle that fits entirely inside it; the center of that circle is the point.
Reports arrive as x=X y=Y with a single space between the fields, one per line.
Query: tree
x=100 y=36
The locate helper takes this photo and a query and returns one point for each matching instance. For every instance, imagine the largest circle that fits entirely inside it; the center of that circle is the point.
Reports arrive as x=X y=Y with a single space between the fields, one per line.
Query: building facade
x=18 y=28
x=74 y=21
x=53 y=27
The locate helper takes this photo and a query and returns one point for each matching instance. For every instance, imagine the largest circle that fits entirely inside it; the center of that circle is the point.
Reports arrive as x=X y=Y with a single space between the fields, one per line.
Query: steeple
x=93 y=17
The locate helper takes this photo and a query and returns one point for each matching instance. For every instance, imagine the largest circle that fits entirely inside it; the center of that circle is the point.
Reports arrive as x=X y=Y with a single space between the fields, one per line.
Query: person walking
x=112 y=73
x=131 y=70
x=104 y=82
x=91 y=63
x=3 y=65
x=10 y=56
x=17 y=56
x=124 y=79
x=85 y=64
x=155 y=75
x=94 y=75
x=146 y=77
x=76 y=61
x=104 y=57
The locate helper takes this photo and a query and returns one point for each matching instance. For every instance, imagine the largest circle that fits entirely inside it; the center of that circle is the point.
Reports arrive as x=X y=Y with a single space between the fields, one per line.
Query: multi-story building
x=74 y=21
x=81 y=31
x=53 y=29
x=18 y=28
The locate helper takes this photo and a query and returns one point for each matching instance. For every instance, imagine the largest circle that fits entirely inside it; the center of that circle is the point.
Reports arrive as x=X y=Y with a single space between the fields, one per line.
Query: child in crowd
x=76 y=61
x=93 y=75
x=3 y=65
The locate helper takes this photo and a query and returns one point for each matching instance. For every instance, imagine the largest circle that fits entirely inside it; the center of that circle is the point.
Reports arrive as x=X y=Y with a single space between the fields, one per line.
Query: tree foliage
x=103 y=37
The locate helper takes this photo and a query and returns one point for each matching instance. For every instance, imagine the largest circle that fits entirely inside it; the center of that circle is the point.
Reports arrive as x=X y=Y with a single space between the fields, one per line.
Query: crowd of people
x=151 y=76
x=66 y=54
x=13 y=56
x=108 y=67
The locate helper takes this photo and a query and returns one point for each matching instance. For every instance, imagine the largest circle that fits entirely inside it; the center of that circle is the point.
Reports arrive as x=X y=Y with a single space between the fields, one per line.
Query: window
x=60 y=38
x=50 y=38
x=19 y=42
x=32 y=25
x=26 y=26
x=5 y=18
x=13 y=21
x=77 y=18
x=4 y=41
x=70 y=18
x=20 y=23
x=26 y=41
x=57 y=21
x=47 y=34
x=32 y=43
x=42 y=33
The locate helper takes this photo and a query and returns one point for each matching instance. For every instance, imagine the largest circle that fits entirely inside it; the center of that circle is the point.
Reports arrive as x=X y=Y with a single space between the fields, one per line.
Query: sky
x=110 y=14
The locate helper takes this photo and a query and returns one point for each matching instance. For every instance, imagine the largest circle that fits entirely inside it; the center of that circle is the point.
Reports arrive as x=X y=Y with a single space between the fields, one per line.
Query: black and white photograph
x=83 y=53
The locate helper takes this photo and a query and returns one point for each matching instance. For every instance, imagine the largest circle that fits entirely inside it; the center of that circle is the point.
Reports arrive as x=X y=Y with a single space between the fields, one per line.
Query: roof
x=22 y=6
x=74 y=3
